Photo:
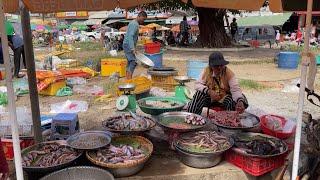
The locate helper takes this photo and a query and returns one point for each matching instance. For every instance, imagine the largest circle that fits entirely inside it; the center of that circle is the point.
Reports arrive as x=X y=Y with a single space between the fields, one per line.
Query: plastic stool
x=64 y=125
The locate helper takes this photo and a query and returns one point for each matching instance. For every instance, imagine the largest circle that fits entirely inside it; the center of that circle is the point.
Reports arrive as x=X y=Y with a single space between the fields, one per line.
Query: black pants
x=17 y=58
x=185 y=38
x=201 y=100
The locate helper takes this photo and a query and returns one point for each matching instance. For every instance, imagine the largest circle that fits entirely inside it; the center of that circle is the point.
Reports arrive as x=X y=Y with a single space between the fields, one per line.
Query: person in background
x=120 y=42
x=154 y=34
x=234 y=28
x=130 y=43
x=217 y=86
x=277 y=37
x=170 y=39
x=184 y=30
x=17 y=46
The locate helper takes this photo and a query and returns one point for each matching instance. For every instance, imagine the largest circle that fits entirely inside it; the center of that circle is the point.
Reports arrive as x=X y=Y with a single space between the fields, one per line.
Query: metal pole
x=305 y=64
x=31 y=71
x=11 y=97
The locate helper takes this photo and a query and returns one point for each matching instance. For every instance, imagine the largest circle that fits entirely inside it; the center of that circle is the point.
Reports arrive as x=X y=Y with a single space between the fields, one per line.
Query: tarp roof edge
x=40 y=6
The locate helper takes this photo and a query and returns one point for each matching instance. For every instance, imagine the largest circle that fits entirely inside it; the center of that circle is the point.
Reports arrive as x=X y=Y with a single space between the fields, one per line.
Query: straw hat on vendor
x=217 y=86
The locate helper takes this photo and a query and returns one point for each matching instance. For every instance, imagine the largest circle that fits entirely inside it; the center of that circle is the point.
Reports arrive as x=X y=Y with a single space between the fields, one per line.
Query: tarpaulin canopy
x=273 y=20
x=229 y=4
x=41 y=6
x=292 y=5
x=91 y=22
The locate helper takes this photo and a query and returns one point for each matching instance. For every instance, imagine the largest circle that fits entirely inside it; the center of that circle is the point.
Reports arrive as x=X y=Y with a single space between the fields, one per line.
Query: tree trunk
x=211 y=26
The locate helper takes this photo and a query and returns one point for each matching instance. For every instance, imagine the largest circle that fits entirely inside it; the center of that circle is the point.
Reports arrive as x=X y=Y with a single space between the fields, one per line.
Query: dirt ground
x=256 y=65
x=271 y=100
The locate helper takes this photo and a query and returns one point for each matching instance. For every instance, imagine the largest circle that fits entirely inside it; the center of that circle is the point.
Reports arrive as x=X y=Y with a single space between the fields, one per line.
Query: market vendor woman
x=217 y=86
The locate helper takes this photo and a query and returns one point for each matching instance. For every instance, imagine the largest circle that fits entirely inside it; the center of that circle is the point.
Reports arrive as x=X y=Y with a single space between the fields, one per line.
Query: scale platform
x=127 y=101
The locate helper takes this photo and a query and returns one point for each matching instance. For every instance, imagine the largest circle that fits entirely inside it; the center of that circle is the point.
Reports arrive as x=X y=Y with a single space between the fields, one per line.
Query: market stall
x=125 y=151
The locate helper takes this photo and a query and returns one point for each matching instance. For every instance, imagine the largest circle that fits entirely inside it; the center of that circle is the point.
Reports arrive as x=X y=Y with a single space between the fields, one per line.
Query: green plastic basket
x=156 y=111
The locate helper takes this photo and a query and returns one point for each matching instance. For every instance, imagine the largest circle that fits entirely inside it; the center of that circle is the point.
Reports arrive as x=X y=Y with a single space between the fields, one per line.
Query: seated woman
x=217 y=86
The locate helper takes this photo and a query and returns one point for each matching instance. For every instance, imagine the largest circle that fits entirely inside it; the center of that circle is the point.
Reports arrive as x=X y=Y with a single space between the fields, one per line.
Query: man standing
x=130 y=43
x=184 y=30
x=234 y=28
x=16 y=44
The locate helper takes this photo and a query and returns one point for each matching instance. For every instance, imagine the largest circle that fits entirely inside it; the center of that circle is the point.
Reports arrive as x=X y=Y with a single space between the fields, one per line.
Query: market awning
x=292 y=5
x=41 y=6
x=111 y=21
x=273 y=20
x=91 y=22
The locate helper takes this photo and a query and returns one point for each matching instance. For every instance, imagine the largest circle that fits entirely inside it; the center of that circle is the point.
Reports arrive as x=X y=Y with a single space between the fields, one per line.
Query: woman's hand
x=214 y=96
x=240 y=107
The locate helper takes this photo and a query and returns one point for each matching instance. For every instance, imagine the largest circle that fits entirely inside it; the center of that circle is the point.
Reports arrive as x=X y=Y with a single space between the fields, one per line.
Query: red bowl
x=271 y=132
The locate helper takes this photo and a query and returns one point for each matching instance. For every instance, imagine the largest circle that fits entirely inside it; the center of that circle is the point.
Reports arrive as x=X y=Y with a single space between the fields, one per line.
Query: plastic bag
x=3 y=98
x=21 y=87
x=113 y=52
x=274 y=123
x=69 y=106
x=289 y=126
x=90 y=90
x=65 y=91
x=76 y=81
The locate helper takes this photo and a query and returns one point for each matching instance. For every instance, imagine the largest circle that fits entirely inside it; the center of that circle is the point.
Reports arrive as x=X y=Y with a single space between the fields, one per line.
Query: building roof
x=273 y=20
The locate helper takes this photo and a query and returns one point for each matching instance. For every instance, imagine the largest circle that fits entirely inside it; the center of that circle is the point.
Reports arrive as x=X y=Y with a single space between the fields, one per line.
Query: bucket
x=288 y=60
x=156 y=59
x=318 y=59
x=195 y=67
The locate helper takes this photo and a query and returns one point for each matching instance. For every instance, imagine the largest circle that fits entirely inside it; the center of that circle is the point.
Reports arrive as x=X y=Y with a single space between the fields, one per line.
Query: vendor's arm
x=235 y=89
x=201 y=84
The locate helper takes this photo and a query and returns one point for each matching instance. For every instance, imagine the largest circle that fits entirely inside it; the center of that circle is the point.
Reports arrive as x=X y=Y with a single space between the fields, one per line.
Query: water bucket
x=318 y=59
x=156 y=59
x=195 y=67
x=288 y=60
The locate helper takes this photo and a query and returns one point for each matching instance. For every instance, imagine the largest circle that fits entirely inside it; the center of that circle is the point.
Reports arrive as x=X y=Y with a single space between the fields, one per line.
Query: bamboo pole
x=31 y=71
x=11 y=97
x=305 y=63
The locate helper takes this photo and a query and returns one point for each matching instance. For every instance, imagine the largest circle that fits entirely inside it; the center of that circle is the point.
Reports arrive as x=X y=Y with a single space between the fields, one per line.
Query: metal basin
x=182 y=79
x=80 y=172
x=126 y=87
x=48 y=169
x=125 y=172
x=199 y=160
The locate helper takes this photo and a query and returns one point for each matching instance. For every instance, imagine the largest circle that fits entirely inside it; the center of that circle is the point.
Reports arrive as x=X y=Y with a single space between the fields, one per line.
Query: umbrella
x=176 y=28
x=63 y=26
x=33 y=27
x=9 y=28
x=193 y=23
x=163 y=28
x=142 y=29
x=153 y=25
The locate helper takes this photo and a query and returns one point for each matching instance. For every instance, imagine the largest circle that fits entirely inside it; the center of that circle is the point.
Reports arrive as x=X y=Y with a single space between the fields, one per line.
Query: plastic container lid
x=65 y=117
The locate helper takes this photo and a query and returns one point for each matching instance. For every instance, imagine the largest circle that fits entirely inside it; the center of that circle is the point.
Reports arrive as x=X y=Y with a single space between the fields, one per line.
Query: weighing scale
x=181 y=91
x=127 y=101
